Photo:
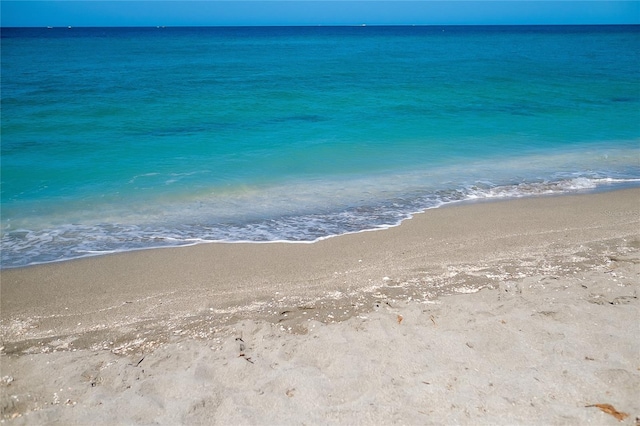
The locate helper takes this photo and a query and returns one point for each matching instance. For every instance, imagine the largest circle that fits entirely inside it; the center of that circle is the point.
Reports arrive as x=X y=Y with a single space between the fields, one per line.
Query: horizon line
x=322 y=25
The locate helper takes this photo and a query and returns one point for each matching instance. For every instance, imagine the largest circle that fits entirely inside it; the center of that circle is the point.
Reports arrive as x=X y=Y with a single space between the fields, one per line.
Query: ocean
x=117 y=139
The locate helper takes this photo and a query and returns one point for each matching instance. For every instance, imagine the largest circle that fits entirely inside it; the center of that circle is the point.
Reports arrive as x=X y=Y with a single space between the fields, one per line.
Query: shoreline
x=492 y=254
x=631 y=185
x=504 y=193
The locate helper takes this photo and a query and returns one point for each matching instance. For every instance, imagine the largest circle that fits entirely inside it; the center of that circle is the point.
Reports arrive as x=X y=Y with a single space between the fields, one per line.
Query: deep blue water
x=124 y=138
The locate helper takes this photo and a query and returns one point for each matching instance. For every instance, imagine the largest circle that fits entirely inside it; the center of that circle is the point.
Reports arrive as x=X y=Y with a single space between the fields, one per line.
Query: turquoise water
x=116 y=139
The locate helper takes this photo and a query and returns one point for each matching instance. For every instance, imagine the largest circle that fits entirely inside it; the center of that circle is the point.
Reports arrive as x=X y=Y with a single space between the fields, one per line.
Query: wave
x=23 y=247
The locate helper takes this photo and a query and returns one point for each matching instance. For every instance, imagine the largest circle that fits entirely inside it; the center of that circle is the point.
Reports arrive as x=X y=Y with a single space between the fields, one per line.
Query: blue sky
x=307 y=12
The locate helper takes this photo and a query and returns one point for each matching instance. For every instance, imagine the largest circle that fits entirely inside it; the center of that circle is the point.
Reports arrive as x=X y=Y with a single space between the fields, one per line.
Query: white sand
x=553 y=329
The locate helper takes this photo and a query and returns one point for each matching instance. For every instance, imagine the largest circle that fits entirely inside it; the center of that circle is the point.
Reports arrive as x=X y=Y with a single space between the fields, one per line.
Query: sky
x=86 y=13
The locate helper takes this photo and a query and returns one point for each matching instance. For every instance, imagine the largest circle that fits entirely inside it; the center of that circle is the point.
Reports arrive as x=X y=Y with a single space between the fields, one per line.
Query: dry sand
x=516 y=312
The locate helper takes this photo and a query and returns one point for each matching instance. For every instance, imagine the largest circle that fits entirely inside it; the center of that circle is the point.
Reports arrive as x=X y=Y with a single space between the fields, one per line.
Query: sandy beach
x=508 y=312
